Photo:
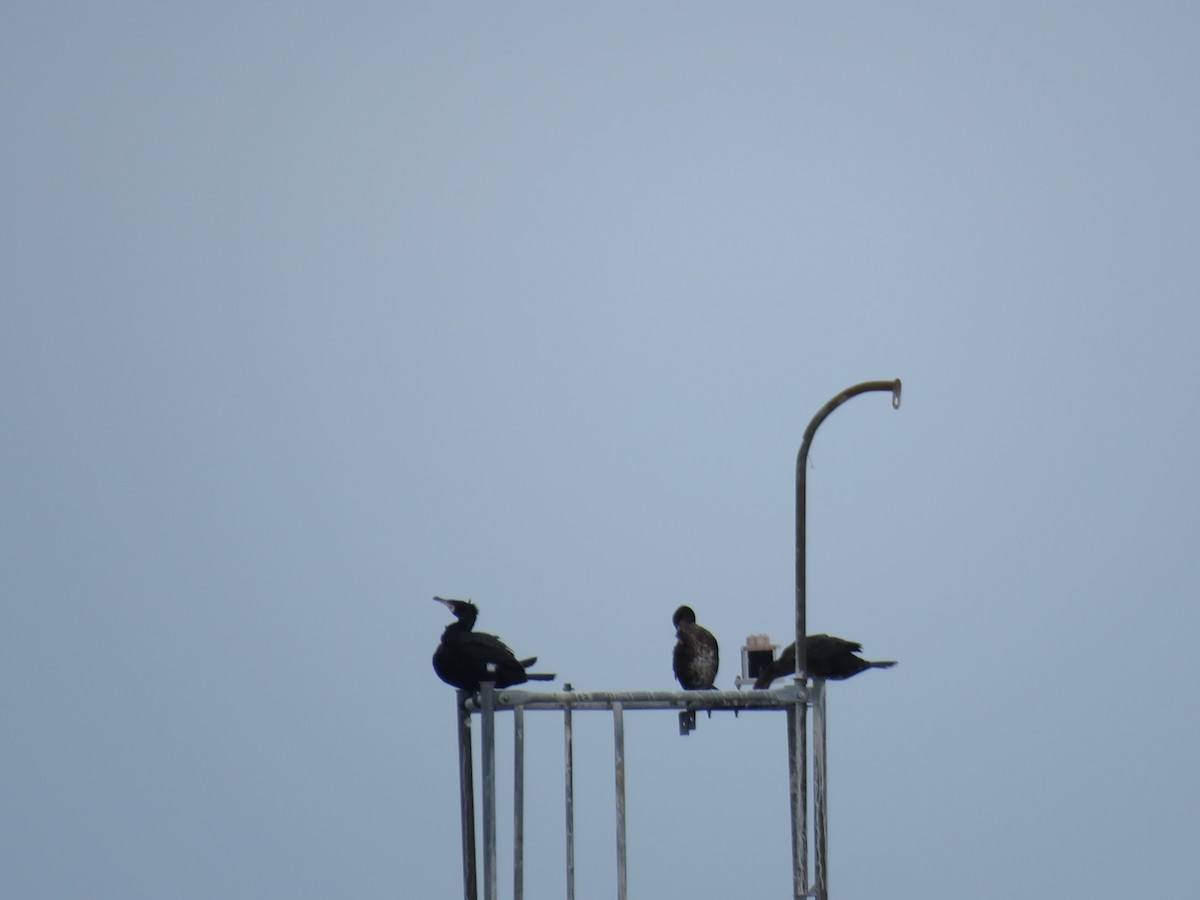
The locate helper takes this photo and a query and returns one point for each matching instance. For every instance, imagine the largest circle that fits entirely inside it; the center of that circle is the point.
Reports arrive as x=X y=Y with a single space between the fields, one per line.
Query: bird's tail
x=883 y=663
x=536 y=676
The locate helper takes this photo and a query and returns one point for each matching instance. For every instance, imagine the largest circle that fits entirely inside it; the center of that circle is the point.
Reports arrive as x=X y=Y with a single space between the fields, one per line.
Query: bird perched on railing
x=696 y=654
x=464 y=656
x=826 y=656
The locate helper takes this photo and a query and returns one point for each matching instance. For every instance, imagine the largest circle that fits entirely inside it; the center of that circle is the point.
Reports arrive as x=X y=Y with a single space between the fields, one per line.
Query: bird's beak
x=444 y=602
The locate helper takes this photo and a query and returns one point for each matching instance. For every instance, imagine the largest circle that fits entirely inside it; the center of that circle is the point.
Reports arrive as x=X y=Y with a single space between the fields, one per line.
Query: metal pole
x=569 y=766
x=798 y=800
x=466 y=792
x=619 y=765
x=801 y=676
x=820 y=788
x=487 y=696
x=518 y=803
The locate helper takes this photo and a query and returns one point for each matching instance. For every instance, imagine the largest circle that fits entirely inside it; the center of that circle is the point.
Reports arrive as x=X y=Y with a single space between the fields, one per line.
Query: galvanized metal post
x=820 y=788
x=801 y=675
x=487 y=698
x=619 y=766
x=466 y=794
x=569 y=781
x=518 y=802
x=798 y=798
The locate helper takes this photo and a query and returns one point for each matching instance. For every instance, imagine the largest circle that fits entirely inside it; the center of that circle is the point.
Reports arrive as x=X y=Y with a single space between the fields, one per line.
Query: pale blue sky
x=310 y=314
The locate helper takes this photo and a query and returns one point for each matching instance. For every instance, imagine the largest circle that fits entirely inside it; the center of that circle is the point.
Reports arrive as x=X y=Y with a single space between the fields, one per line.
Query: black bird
x=827 y=657
x=463 y=656
x=696 y=657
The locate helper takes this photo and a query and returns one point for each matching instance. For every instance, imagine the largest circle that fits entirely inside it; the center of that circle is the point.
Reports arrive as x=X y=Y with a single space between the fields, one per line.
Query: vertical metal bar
x=569 y=766
x=619 y=766
x=798 y=717
x=466 y=791
x=487 y=696
x=820 y=786
x=798 y=797
x=518 y=802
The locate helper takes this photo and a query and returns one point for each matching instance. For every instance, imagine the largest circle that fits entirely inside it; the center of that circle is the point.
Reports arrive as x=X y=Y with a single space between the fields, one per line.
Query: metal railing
x=489 y=701
x=794 y=699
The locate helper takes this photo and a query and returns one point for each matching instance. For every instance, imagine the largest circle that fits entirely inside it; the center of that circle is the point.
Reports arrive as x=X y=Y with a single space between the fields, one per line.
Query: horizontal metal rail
x=782 y=698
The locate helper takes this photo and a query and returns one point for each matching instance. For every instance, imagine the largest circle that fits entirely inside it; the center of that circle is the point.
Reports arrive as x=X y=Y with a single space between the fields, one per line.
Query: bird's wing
x=827 y=643
x=679 y=657
x=707 y=644
x=488 y=648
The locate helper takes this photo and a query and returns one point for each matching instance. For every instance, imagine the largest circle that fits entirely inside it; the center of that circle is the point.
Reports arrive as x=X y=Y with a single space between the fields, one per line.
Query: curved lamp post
x=798 y=730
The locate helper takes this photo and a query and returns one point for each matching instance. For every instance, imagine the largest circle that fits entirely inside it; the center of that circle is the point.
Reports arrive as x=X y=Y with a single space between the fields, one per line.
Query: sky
x=311 y=313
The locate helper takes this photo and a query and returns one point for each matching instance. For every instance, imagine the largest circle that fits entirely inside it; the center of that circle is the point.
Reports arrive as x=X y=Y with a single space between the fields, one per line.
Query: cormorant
x=463 y=656
x=696 y=657
x=827 y=657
